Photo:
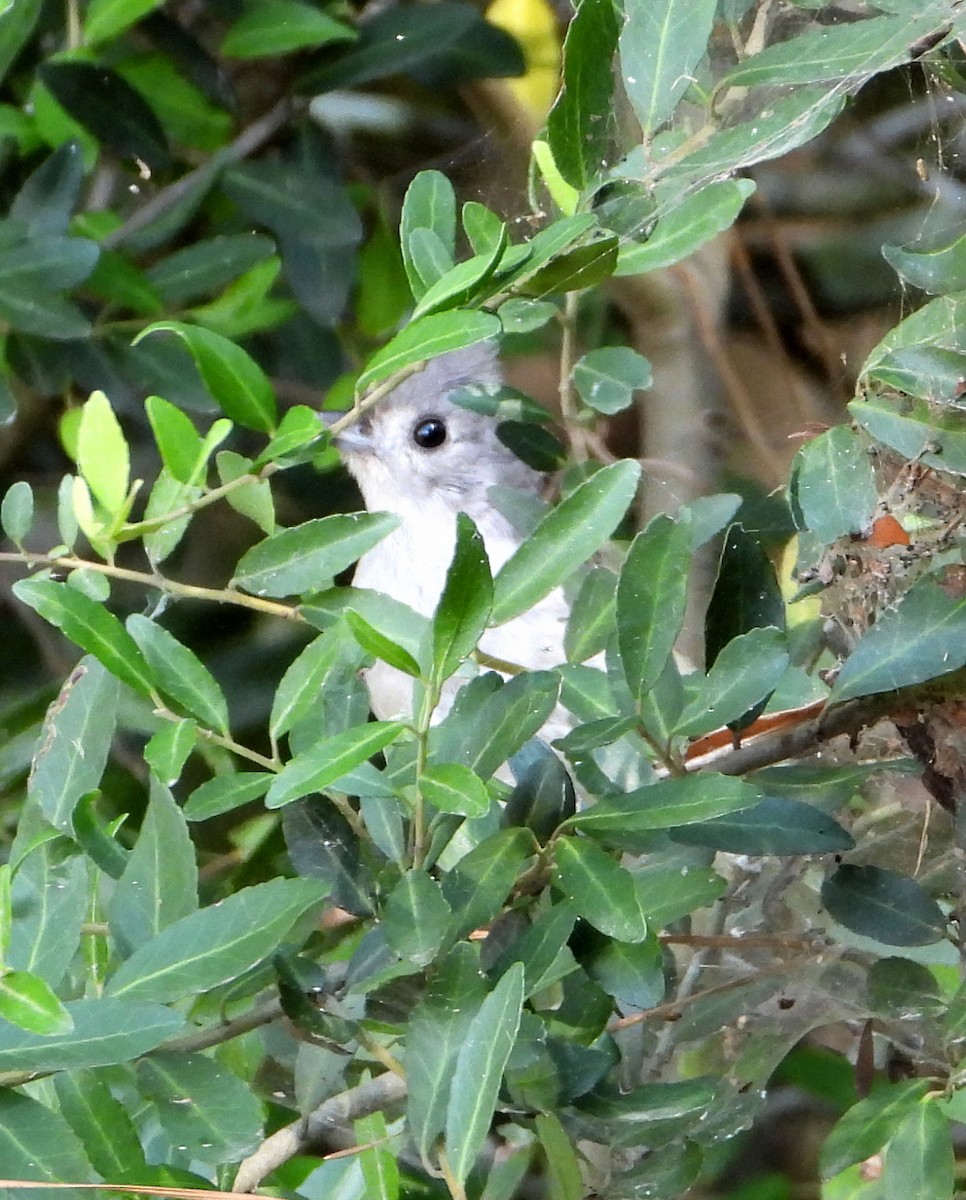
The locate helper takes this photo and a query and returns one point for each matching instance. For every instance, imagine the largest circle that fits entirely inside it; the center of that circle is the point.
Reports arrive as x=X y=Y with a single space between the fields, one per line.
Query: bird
x=423 y=458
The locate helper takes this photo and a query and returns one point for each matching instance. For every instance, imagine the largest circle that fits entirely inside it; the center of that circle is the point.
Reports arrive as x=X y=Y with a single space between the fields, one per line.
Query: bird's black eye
x=429 y=433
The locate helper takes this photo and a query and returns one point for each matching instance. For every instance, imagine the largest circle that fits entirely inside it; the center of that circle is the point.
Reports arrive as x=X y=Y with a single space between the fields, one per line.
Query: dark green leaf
x=180 y=673
x=464 y=605
x=565 y=538
x=746 y=593
x=583 y=266
x=579 y=136
x=479 y=1069
x=900 y=989
x=924 y=636
x=633 y=973
x=206 y=266
x=305 y=558
x=109 y=108
x=883 y=905
x=668 y=893
x=835 y=486
x=103 y=1125
x=321 y=844
x=668 y=803
x=600 y=889
x=75 y=743
x=542 y=946
x=774 y=826
x=202 y=1106
x=91 y=626
x=329 y=759
x=452 y=788
x=380 y=646
x=216 y=944
x=44 y=314
x=160 y=881
x=50 y=263
x=544 y=794
x=651 y=596
x=416 y=917
x=746 y=671
x=225 y=792
x=105 y=1031
x=234 y=379
x=479 y=884
x=17 y=21
x=36 y=1143
x=867 y=1126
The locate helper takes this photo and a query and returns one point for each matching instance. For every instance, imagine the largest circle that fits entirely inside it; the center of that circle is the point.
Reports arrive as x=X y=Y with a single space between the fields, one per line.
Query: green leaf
x=102 y=453
x=169 y=748
x=180 y=673
x=479 y=1070
x=482 y=226
x=225 y=792
x=380 y=646
x=17 y=22
x=542 y=946
x=881 y=904
x=109 y=108
x=917 y=430
x=75 y=742
x=36 y=1143
x=306 y=557
x=218 y=943
x=524 y=316
x=159 y=884
x=238 y=384
x=17 y=510
x=686 y=226
x=464 y=605
x=668 y=803
x=564 y=1180
x=565 y=538
x=302 y=682
x=96 y=837
x=746 y=593
x=322 y=844
x=435 y=1032
x=862 y=48
x=105 y=1031
x=747 y=670
x=580 y=267
x=479 y=884
x=202 y=1106
x=206 y=266
x=866 y=1127
x=651 y=595
x=633 y=973
x=667 y=893
x=835 y=485
x=592 y=615
x=29 y=1003
x=503 y=722
x=91 y=626
x=416 y=918
x=580 y=140
x=50 y=264
x=543 y=796
x=179 y=443
x=274 y=27
x=426 y=338
x=103 y=1125
x=922 y=637
x=661 y=45
x=329 y=759
x=450 y=787
x=253 y=499
x=105 y=19
x=775 y=826
x=429 y=204
x=167 y=495
x=600 y=889
x=606 y=379
x=919 y=1158
x=936 y=264
x=42 y=313
x=472 y=280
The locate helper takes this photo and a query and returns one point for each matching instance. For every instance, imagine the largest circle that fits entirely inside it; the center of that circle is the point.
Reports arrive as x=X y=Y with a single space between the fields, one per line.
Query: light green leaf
x=105 y=19
x=745 y=672
x=919 y=1158
x=305 y=558
x=479 y=1070
x=218 y=943
x=426 y=338
x=835 y=484
x=564 y=1180
x=416 y=917
x=866 y=1127
x=565 y=538
x=274 y=27
x=450 y=787
x=169 y=748
x=179 y=443
x=17 y=510
x=661 y=44
x=36 y=1143
x=225 y=792
x=252 y=500
x=28 y=1002
x=477 y=887
x=934 y=436
x=430 y=203
x=606 y=379
x=464 y=604
x=102 y=453
x=667 y=803
x=379 y=646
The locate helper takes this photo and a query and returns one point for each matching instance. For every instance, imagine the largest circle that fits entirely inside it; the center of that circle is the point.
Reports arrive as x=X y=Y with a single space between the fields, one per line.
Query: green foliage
x=473 y=936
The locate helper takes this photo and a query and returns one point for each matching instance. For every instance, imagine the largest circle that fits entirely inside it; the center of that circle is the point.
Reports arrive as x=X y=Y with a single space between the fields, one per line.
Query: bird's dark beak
x=354 y=439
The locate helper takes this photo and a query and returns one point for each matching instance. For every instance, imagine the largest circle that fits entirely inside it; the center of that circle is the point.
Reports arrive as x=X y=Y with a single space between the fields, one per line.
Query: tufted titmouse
x=425 y=459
